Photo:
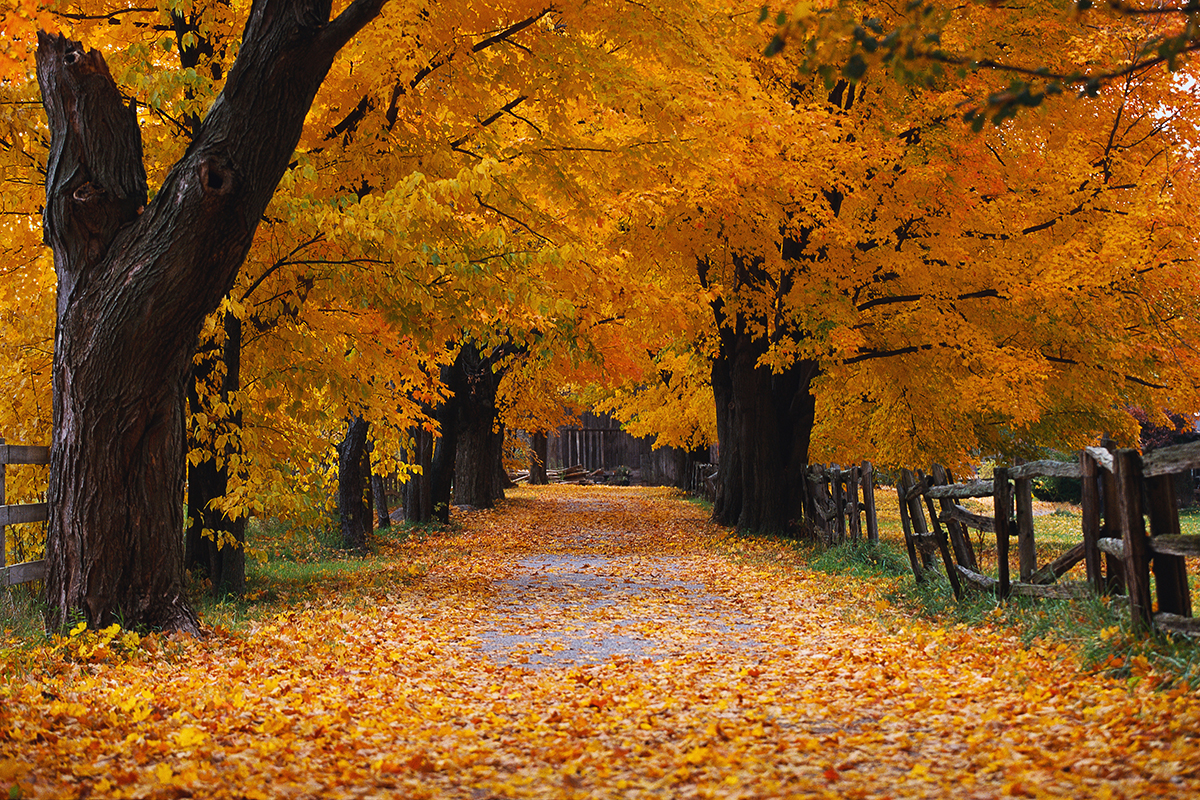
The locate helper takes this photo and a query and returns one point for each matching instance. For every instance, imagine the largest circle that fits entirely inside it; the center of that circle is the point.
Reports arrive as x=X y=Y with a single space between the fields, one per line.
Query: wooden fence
x=17 y=514
x=834 y=505
x=1119 y=489
x=833 y=499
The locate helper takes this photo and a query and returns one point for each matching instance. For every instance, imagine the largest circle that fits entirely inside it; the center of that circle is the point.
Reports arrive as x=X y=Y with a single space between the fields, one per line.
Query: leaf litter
x=589 y=642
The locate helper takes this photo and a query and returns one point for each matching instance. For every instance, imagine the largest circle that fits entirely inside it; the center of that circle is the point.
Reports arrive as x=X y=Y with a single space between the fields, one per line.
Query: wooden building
x=598 y=442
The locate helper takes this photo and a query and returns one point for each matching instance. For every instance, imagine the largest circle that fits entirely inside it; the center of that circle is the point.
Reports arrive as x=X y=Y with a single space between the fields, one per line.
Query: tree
x=136 y=281
x=885 y=284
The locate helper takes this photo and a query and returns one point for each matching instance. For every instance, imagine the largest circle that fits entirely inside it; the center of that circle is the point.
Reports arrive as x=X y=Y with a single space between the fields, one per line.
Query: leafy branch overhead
x=928 y=42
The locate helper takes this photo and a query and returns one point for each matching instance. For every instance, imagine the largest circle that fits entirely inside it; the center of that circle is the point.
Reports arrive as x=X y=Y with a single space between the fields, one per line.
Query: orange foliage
x=597 y=642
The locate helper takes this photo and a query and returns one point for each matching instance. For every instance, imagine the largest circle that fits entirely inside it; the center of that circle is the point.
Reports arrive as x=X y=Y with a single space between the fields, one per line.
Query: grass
x=1095 y=627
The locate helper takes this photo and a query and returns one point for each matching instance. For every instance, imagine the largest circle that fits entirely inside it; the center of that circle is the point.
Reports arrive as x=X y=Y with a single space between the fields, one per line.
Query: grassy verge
x=1096 y=628
x=288 y=566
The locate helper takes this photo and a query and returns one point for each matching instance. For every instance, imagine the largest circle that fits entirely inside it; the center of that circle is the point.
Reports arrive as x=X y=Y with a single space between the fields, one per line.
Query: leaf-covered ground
x=588 y=642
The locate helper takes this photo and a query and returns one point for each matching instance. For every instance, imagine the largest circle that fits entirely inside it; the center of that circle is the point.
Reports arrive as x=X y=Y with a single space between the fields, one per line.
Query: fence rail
x=1122 y=490
x=19 y=514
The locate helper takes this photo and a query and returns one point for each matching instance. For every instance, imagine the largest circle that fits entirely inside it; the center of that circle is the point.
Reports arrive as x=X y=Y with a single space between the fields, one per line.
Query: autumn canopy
x=263 y=249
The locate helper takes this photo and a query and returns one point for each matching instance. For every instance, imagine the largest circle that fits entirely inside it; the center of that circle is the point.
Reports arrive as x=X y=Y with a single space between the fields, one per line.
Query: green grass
x=287 y=566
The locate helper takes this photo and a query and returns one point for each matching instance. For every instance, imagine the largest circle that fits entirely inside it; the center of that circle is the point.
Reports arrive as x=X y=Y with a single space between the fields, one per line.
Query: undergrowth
x=1097 y=628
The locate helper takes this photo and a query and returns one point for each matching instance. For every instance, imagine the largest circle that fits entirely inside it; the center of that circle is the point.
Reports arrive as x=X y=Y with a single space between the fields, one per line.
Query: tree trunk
x=355 y=515
x=135 y=282
x=214 y=544
x=418 y=489
x=764 y=425
x=480 y=443
x=379 y=492
x=537 y=461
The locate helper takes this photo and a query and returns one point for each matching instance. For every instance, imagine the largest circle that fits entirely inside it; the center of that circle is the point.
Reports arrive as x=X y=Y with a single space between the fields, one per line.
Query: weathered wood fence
x=701 y=481
x=835 y=508
x=17 y=514
x=1120 y=556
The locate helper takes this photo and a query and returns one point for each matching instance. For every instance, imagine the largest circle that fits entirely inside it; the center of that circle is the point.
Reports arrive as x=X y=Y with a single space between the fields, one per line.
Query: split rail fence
x=835 y=507
x=19 y=514
x=1121 y=490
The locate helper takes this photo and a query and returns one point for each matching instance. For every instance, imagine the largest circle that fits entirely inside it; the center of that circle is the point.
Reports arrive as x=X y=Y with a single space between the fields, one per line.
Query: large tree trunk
x=354 y=513
x=764 y=423
x=537 y=461
x=418 y=489
x=135 y=282
x=480 y=440
x=215 y=545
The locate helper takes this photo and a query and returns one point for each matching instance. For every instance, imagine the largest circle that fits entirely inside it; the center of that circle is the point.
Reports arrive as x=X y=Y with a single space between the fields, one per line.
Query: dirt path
x=594 y=643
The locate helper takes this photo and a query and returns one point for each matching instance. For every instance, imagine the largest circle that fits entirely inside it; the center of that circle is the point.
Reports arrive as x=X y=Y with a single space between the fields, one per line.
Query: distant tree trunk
x=764 y=424
x=355 y=515
x=537 y=461
x=214 y=544
x=135 y=282
x=418 y=489
x=379 y=492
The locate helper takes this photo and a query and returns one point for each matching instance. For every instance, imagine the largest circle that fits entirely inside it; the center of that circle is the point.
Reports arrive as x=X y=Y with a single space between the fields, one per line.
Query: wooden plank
x=1026 y=546
x=964 y=553
x=1091 y=520
x=961 y=515
x=1111 y=546
x=978 y=580
x=1102 y=457
x=24 y=454
x=943 y=546
x=904 y=485
x=1047 y=469
x=1127 y=467
x=1170 y=569
x=1169 y=460
x=853 y=478
x=961 y=491
x=1003 y=521
x=1057 y=591
x=837 y=477
x=926 y=542
x=1173 y=623
x=23 y=573
x=1176 y=545
x=1114 y=566
x=32 y=512
x=868 y=473
x=1059 y=566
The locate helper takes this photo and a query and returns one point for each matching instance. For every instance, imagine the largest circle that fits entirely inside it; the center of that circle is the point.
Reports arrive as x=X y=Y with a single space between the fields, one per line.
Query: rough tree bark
x=135 y=282
x=418 y=489
x=764 y=427
x=479 y=460
x=355 y=515
x=537 y=461
x=214 y=544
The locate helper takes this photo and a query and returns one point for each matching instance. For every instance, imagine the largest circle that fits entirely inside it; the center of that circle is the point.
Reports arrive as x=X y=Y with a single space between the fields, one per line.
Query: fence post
x=943 y=547
x=853 y=478
x=868 y=473
x=959 y=538
x=1170 y=572
x=1114 y=568
x=1091 y=520
x=1026 y=546
x=839 y=504
x=903 y=487
x=1127 y=466
x=1002 y=497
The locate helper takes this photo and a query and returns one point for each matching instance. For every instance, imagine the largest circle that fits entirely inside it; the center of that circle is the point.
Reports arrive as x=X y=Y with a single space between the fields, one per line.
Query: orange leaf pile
x=589 y=642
